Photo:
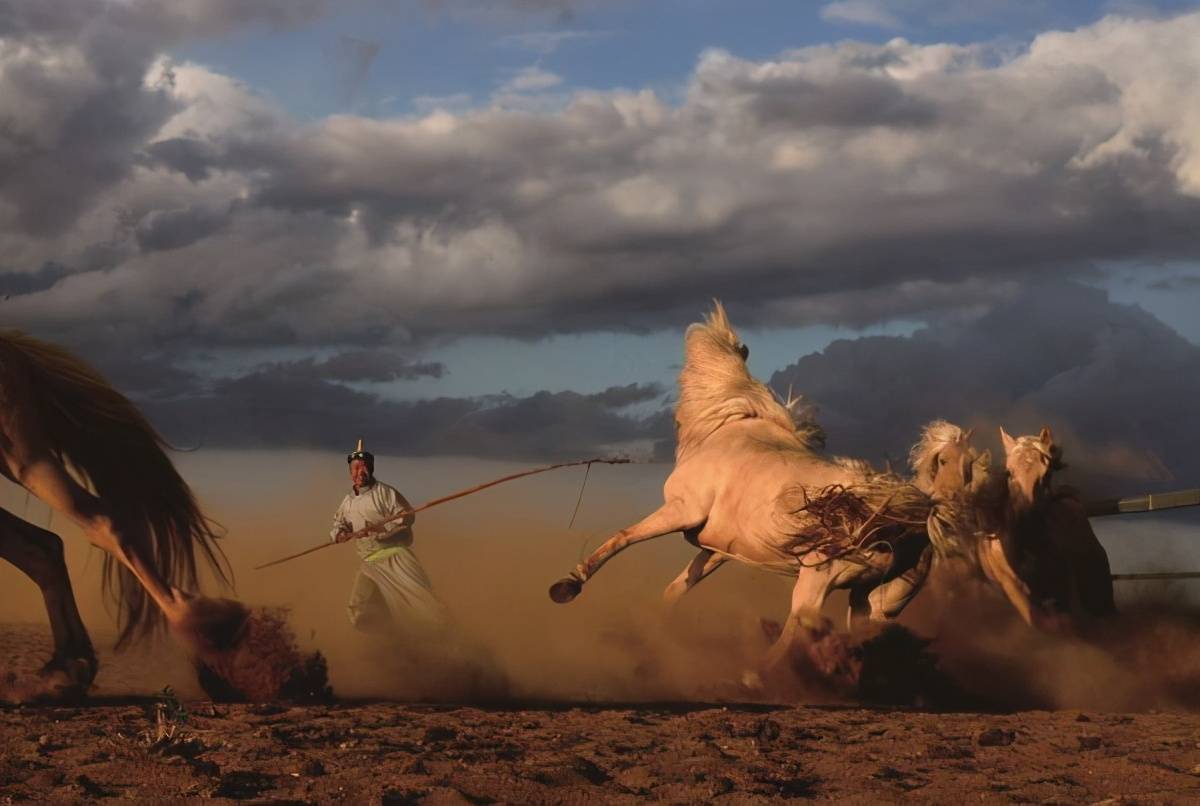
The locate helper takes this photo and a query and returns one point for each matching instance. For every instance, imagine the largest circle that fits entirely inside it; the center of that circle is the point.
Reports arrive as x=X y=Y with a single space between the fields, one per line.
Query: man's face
x=359 y=474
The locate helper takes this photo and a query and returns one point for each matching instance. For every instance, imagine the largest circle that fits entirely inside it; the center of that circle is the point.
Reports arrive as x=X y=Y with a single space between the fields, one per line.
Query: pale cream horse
x=77 y=444
x=749 y=485
x=947 y=467
x=1026 y=538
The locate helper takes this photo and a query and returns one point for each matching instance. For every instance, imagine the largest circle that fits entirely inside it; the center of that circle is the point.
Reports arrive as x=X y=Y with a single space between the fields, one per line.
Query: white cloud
x=852 y=174
x=531 y=79
x=860 y=12
x=544 y=43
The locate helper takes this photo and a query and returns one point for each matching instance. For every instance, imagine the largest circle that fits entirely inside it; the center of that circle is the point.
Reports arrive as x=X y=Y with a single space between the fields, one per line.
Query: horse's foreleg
x=671 y=517
x=701 y=566
x=39 y=555
x=809 y=594
x=43 y=475
x=997 y=568
x=887 y=601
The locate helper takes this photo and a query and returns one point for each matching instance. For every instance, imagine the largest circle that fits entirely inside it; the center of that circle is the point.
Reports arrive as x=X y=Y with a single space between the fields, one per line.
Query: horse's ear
x=965 y=436
x=1009 y=442
x=984 y=459
x=1046 y=437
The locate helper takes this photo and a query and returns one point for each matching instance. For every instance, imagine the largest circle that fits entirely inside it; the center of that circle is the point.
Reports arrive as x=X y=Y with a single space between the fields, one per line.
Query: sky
x=479 y=227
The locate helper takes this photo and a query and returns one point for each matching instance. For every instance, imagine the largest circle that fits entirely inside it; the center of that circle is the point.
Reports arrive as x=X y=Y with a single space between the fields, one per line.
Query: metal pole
x=1157 y=575
x=1151 y=502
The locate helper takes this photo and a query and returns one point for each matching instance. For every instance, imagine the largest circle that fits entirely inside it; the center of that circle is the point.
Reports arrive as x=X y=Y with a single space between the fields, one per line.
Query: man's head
x=362 y=466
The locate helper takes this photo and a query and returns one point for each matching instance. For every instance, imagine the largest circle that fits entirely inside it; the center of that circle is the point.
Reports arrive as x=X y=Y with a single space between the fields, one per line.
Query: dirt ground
x=129 y=742
x=379 y=752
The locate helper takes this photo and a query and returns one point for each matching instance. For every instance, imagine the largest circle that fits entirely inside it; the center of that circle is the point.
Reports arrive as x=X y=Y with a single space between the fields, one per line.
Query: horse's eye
x=744 y=352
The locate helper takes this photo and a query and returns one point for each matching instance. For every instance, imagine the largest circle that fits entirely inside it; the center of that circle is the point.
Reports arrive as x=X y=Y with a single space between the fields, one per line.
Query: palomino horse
x=1046 y=537
x=1032 y=542
x=121 y=489
x=749 y=485
x=946 y=467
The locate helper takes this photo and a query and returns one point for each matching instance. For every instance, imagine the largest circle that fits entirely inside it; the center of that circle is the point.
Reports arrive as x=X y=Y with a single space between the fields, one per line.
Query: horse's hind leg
x=701 y=566
x=671 y=517
x=39 y=555
x=887 y=601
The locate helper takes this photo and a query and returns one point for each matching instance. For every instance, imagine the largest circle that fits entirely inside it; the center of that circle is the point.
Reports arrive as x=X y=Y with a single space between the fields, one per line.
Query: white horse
x=749 y=485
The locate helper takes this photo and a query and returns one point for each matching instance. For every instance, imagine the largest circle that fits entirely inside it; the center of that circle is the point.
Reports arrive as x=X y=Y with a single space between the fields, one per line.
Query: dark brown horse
x=80 y=446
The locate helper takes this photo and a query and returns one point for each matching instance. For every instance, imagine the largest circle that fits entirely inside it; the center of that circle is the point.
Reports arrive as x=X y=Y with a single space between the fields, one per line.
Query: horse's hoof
x=565 y=590
x=70 y=674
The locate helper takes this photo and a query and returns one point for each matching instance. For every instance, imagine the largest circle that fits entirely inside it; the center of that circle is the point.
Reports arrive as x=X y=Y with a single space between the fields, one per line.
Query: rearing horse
x=86 y=451
x=749 y=485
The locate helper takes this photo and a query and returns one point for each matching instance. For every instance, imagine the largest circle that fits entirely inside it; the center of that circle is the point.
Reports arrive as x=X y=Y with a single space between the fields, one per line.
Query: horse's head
x=1030 y=462
x=944 y=462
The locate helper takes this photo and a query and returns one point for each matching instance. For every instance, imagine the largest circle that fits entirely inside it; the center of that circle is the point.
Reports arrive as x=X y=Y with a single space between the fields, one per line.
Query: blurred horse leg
x=701 y=566
x=39 y=555
x=28 y=460
x=813 y=585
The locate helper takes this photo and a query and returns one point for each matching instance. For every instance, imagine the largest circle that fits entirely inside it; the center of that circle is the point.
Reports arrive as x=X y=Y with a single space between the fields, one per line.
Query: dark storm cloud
x=279 y=409
x=1117 y=386
x=376 y=366
x=27 y=283
x=173 y=229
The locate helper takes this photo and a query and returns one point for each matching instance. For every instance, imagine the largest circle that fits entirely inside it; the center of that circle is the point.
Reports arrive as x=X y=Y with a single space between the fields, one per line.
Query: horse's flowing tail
x=107 y=442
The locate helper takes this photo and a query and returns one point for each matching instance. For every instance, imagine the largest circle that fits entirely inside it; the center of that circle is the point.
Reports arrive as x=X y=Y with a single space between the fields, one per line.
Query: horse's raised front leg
x=997 y=568
x=39 y=555
x=701 y=566
x=31 y=464
x=674 y=516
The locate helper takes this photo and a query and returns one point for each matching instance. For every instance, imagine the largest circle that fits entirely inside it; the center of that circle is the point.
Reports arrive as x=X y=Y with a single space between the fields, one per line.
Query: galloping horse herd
x=750 y=483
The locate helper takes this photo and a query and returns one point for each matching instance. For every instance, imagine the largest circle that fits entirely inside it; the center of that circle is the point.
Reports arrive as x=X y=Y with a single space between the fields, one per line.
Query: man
x=391 y=589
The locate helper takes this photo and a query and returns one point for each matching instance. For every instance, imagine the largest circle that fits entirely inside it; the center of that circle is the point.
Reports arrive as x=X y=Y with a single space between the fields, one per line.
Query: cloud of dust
x=491 y=557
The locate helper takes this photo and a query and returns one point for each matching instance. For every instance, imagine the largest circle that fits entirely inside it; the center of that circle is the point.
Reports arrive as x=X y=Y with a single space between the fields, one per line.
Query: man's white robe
x=391 y=585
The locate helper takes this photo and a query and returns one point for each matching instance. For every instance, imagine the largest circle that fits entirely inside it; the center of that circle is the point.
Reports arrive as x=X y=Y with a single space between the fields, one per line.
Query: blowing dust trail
x=490 y=557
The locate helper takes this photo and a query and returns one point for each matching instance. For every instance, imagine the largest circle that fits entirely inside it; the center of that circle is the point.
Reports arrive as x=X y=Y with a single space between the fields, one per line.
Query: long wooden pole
x=374 y=527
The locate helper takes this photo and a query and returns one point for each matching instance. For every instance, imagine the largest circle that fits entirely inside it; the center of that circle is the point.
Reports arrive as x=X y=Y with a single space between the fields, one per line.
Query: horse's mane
x=936 y=436
x=715 y=388
x=105 y=441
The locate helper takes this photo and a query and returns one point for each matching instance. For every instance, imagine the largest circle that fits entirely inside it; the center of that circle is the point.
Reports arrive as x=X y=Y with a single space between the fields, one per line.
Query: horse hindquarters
x=1087 y=558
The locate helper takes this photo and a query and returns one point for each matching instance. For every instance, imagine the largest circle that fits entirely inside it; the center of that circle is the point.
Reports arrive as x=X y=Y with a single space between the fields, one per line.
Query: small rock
x=1083 y=718
x=768 y=731
x=720 y=786
x=996 y=737
x=1089 y=742
x=440 y=733
x=312 y=768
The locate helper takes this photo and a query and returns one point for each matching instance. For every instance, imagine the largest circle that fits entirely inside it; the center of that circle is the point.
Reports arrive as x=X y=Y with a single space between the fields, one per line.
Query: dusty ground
x=376 y=752
x=158 y=748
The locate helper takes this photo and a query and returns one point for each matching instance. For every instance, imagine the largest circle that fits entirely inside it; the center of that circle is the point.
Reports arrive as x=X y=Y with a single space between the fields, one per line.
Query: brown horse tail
x=103 y=438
